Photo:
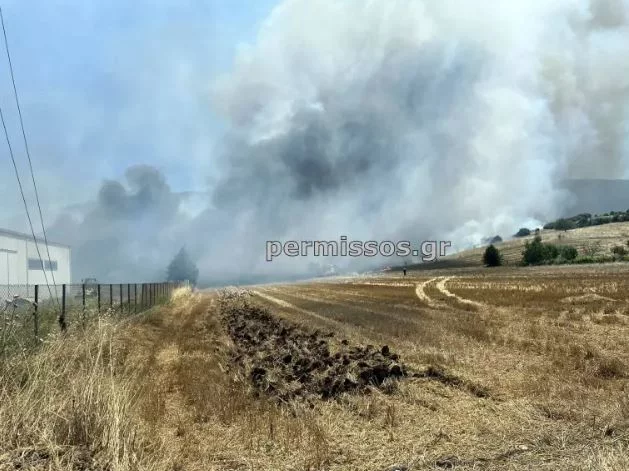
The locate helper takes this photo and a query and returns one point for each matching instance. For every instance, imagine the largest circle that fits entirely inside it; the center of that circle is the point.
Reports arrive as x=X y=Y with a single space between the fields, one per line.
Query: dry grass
x=75 y=403
x=532 y=375
x=68 y=406
x=593 y=241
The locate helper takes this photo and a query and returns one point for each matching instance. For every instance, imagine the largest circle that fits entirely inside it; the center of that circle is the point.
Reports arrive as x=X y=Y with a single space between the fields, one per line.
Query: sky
x=105 y=85
x=221 y=125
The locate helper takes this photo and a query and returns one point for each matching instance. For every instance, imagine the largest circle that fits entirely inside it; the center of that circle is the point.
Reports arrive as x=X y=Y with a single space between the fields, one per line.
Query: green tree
x=182 y=268
x=523 y=232
x=564 y=224
x=492 y=257
x=534 y=252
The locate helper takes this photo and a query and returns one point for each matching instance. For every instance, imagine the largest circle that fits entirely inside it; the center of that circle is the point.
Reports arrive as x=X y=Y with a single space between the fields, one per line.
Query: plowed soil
x=286 y=361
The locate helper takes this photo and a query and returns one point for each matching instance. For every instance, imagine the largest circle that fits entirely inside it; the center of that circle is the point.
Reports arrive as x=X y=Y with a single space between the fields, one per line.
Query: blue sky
x=105 y=85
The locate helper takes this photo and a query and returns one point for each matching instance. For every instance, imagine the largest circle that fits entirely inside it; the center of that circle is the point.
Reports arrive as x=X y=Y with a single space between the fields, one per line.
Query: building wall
x=17 y=272
x=12 y=265
x=60 y=255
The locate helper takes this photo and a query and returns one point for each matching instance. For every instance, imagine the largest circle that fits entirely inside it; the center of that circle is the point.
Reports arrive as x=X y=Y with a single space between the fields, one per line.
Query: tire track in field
x=420 y=291
x=357 y=306
x=292 y=307
x=356 y=298
x=441 y=286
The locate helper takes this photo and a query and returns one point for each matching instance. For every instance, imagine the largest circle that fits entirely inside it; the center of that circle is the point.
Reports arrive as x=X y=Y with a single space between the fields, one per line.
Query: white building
x=20 y=263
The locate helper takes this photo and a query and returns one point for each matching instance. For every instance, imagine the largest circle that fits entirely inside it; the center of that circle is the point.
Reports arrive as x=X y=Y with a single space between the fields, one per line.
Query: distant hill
x=594 y=196
x=597 y=196
x=597 y=240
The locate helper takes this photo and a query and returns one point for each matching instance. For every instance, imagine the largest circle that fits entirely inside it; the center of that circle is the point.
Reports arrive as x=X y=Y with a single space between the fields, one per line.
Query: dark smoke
x=129 y=233
x=384 y=120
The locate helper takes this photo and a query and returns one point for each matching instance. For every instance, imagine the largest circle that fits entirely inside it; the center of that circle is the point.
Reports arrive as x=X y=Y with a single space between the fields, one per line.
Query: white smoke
x=385 y=119
x=416 y=119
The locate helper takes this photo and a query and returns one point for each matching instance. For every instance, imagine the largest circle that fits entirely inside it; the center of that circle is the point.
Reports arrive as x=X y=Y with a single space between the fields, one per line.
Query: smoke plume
x=394 y=119
x=418 y=119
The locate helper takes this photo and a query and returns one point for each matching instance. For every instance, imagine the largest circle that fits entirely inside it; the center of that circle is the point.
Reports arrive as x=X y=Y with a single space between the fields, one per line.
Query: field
x=506 y=369
x=547 y=347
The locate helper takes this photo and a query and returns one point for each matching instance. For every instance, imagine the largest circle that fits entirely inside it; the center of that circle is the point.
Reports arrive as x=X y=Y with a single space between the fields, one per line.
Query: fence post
x=111 y=296
x=36 y=313
x=83 y=294
x=62 y=316
x=129 y=298
x=135 y=298
x=121 y=299
x=98 y=294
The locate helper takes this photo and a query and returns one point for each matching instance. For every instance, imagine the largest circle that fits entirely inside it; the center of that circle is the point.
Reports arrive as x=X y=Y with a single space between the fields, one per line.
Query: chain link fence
x=31 y=313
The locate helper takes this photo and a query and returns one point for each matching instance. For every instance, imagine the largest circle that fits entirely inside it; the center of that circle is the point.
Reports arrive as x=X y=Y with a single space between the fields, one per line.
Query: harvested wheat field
x=505 y=369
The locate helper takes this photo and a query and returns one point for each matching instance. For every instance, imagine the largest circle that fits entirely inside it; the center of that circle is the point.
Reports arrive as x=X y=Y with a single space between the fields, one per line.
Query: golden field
x=507 y=369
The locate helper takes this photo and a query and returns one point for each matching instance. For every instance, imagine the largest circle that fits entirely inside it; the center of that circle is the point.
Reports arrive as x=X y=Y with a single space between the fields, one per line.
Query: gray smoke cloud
x=391 y=119
x=129 y=233
x=418 y=119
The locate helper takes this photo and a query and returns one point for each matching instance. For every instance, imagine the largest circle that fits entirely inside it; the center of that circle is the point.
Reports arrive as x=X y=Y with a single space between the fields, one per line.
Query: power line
x=19 y=182
x=28 y=155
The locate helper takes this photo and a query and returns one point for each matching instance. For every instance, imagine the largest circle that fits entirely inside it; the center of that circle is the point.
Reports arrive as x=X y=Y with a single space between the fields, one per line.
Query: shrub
x=537 y=253
x=619 y=251
x=550 y=251
x=567 y=252
x=523 y=232
x=492 y=257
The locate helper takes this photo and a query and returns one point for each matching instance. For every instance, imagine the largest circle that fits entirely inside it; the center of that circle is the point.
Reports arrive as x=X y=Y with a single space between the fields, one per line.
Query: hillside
x=597 y=239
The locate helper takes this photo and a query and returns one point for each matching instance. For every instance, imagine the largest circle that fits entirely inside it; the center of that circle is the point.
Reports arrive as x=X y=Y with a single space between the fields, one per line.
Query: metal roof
x=21 y=235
